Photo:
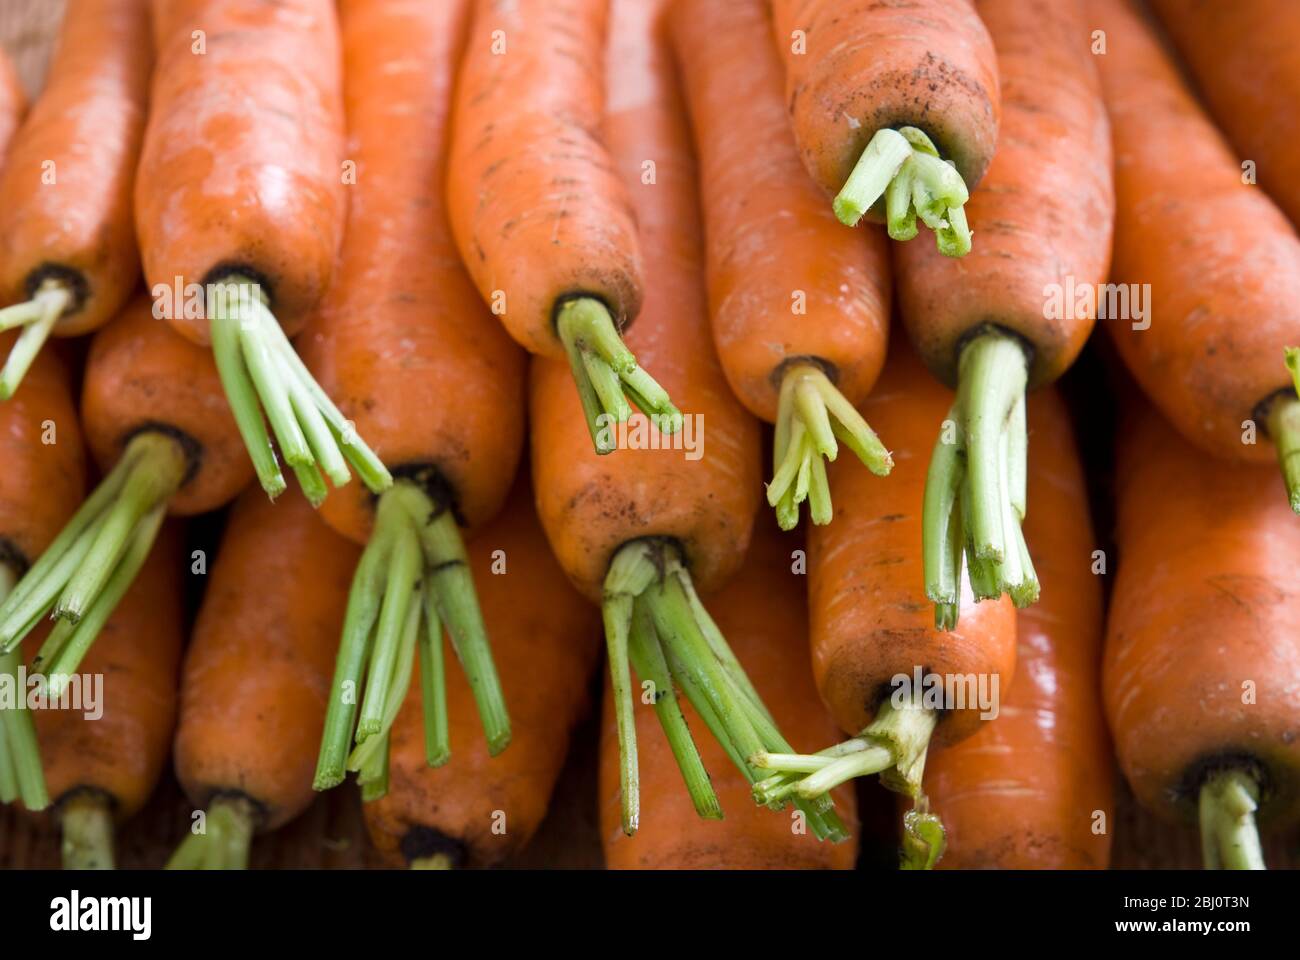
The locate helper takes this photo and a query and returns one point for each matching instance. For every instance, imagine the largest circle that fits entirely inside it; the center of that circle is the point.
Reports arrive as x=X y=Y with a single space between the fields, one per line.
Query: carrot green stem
x=924 y=838
x=86 y=820
x=1284 y=429
x=607 y=374
x=21 y=775
x=902 y=167
x=91 y=562
x=975 y=489
x=1229 y=837
x=436 y=861
x=225 y=841
x=650 y=601
x=8 y=773
x=46 y=307
x=811 y=414
x=261 y=372
x=412 y=580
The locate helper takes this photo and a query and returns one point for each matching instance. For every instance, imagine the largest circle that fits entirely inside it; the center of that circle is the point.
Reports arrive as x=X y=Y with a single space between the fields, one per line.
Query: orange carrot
x=67 y=235
x=256 y=676
x=1201 y=652
x=880 y=95
x=415 y=360
x=764 y=613
x=1026 y=790
x=156 y=423
x=541 y=215
x=799 y=307
x=240 y=205
x=476 y=810
x=1207 y=346
x=871 y=630
x=101 y=769
x=638 y=533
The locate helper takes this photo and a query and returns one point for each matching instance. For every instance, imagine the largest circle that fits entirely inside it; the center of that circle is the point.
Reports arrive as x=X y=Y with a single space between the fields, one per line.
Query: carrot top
x=975 y=492
x=811 y=415
x=222 y=840
x=37 y=316
x=412 y=578
x=606 y=374
x=656 y=624
x=86 y=823
x=21 y=775
x=260 y=370
x=903 y=168
x=1284 y=427
x=1229 y=838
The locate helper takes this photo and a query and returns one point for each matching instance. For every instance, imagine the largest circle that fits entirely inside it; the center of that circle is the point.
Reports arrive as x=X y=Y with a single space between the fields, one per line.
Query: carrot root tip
x=607 y=376
x=813 y=417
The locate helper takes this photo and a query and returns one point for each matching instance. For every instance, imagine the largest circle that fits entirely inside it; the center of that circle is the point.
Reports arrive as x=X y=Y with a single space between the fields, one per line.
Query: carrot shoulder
x=541 y=215
x=799 y=308
x=1033 y=789
x=880 y=96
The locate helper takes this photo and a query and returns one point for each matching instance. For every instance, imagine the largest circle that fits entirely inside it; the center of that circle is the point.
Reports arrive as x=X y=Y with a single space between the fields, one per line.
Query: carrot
x=799 y=308
x=1025 y=790
x=239 y=204
x=870 y=629
x=102 y=769
x=156 y=423
x=67 y=237
x=639 y=534
x=764 y=612
x=13 y=102
x=1201 y=653
x=1209 y=357
x=880 y=96
x=413 y=357
x=475 y=810
x=541 y=215
x=987 y=325
x=44 y=475
x=1245 y=64
x=256 y=677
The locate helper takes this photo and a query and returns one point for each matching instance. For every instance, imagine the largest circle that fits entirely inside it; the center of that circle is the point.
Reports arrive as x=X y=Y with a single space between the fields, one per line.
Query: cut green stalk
x=607 y=375
x=37 y=317
x=902 y=167
x=412 y=580
x=86 y=821
x=811 y=414
x=21 y=774
x=91 y=563
x=260 y=371
x=436 y=861
x=976 y=486
x=225 y=841
x=650 y=603
x=1229 y=837
x=924 y=838
x=1284 y=429
x=8 y=774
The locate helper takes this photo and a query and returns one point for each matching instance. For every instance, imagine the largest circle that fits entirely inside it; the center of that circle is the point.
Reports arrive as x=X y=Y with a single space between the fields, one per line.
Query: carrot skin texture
x=258 y=668
x=1044 y=211
x=1218 y=255
x=1204 y=601
x=868 y=65
x=546 y=641
x=13 y=102
x=85 y=129
x=770 y=234
x=121 y=754
x=1021 y=793
x=242 y=165
x=529 y=170
x=1243 y=56
x=42 y=483
x=591 y=505
x=869 y=618
x=141 y=374
x=763 y=614
x=402 y=342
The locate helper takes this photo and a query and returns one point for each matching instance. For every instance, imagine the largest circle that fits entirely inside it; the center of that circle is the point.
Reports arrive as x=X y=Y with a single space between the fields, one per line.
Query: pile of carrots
x=514 y=290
